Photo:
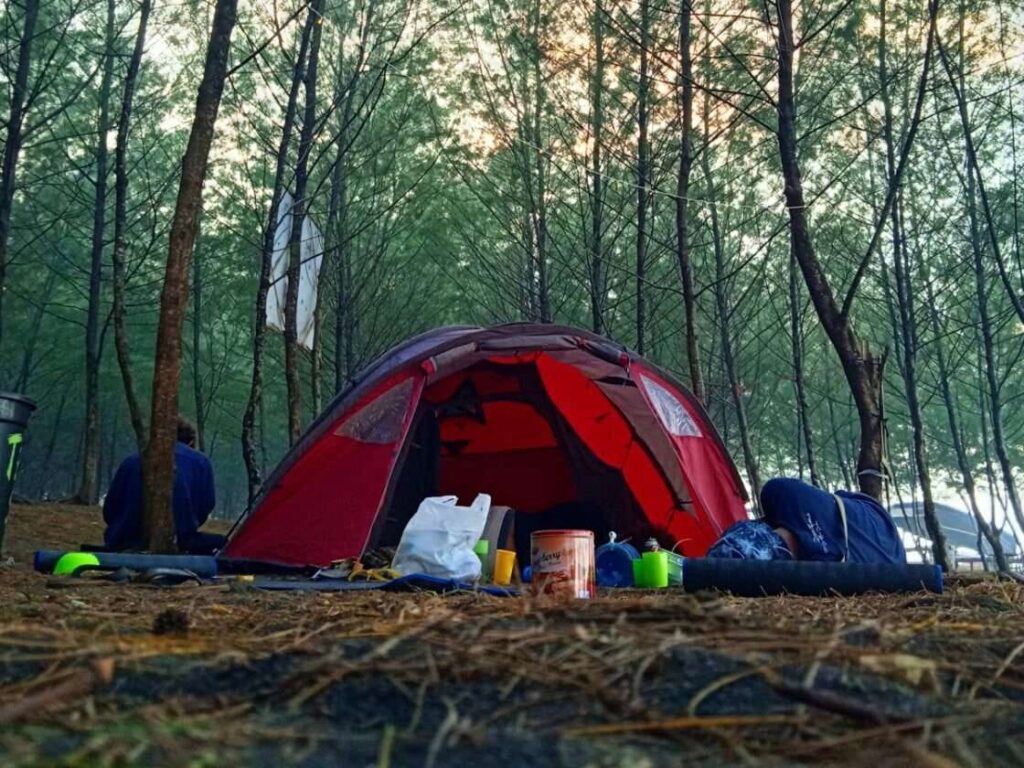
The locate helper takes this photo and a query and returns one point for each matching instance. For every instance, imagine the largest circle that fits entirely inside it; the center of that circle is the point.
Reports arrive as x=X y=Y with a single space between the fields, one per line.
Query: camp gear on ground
x=655 y=570
x=498 y=531
x=615 y=562
x=865 y=534
x=504 y=561
x=71 y=563
x=415 y=582
x=638 y=572
x=570 y=516
x=372 y=574
x=754 y=578
x=563 y=563
x=482 y=550
x=201 y=543
x=675 y=568
x=74 y=563
x=674 y=560
x=535 y=415
x=193 y=501
x=440 y=537
x=15 y=411
x=750 y=540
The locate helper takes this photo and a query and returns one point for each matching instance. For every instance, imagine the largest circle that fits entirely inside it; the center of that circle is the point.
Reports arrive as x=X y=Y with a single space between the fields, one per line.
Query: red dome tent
x=534 y=415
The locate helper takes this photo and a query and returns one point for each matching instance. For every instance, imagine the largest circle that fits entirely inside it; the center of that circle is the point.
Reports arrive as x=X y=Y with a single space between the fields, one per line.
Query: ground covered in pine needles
x=96 y=673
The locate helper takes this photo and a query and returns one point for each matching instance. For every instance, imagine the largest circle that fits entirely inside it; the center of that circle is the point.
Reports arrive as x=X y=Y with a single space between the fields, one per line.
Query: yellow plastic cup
x=655 y=569
x=504 y=559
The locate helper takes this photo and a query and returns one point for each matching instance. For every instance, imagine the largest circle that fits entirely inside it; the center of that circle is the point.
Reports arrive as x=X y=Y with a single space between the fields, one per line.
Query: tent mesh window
x=381 y=420
x=673 y=414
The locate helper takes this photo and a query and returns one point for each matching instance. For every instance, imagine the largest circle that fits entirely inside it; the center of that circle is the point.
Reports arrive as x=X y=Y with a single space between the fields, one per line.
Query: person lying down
x=802 y=522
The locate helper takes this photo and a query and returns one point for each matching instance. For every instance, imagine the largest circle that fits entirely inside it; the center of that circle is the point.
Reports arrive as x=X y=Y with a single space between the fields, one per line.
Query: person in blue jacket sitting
x=194 y=500
x=802 y=522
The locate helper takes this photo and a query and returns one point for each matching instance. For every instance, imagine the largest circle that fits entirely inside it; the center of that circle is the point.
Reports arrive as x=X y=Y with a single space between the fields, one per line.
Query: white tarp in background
x=312 y=255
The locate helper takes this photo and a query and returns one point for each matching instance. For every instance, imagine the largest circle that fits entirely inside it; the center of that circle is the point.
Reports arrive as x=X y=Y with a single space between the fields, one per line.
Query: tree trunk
x=642 y=172
x=316 y=357
x=685 y=89
x=597 y=279
x=840 y=457
x=121 y=226
x=158 y=460
x=541 y=222
x=88 y=490
x=723 y=310
x=342 y=264
x=904 y=300
x=46 y=477
x=344 y=316
x=197 y=354
x=863 y=370
x=966 y=475
x=12 y=142
x=974 y=171
x=292 y=356
x=39 y=310
x=995 y=402
x=253 y=405
x=796 y=334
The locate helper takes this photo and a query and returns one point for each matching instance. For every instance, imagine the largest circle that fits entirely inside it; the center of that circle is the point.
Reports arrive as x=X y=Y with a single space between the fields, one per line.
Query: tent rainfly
x=537 y=416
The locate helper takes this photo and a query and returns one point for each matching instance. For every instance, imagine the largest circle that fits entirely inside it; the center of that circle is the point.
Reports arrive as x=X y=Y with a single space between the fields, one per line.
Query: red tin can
x=562 y=563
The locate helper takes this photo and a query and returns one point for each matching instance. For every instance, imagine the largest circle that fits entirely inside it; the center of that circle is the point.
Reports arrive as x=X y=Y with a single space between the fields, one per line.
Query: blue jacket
x=194 y=499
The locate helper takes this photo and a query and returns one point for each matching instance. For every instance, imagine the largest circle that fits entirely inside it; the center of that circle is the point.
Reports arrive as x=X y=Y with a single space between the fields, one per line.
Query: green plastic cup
x=482 y=548
x=638 y=573
x=655 y=568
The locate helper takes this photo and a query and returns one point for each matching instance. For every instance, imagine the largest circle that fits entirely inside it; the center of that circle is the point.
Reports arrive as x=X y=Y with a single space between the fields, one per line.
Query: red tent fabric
x=534 y=415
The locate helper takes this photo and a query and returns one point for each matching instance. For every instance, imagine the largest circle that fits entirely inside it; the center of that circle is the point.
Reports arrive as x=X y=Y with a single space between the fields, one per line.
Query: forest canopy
x=809 y=213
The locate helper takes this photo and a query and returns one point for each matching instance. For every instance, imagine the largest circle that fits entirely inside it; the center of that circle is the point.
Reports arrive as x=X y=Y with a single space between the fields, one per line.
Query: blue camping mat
x=414 y=582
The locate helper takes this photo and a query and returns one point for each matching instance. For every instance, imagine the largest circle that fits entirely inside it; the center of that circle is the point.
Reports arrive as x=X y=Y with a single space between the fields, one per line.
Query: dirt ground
x=94 y=673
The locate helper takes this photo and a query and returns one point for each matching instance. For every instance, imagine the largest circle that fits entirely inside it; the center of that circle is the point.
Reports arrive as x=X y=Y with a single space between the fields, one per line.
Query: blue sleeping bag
x=816 y=519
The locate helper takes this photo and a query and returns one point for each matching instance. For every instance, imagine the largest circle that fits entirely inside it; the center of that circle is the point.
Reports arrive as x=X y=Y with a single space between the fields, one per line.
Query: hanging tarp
x=311 y=254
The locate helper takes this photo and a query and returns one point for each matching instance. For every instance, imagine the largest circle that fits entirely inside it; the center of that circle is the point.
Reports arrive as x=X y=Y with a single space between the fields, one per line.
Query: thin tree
x=987 y=327
x=685 y=93
x=13 y=140
x=254 y=403
x=862 y=367
x=158 y=459
x=197 y=358
x=907 y=325
x=963 y=464
x=298 y=215
x=597 y=88
x=88 y=490
x=643 y=152
x=800 y=386
x=121 y=225
x=724 y=312
x=540 y=155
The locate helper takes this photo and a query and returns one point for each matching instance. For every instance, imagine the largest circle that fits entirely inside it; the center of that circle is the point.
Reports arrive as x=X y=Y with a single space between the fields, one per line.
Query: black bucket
x=15 y=411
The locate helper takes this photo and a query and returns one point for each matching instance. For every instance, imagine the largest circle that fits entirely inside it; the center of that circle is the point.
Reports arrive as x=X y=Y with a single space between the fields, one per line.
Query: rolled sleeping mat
x=63 y=563
x=755 y=578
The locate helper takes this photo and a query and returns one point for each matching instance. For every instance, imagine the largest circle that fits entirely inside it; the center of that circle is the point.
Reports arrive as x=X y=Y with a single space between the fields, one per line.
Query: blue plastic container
x=615 y=563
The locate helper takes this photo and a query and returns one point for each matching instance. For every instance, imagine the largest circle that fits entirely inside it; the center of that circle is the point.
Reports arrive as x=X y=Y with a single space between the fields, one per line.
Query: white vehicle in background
x=962 y=537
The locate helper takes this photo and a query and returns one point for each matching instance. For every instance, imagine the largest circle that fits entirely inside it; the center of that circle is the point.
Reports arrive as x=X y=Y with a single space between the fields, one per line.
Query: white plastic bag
x=440 y=537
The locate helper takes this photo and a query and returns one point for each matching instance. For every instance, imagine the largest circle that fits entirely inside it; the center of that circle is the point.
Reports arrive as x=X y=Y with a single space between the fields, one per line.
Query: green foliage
x=469 y=124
